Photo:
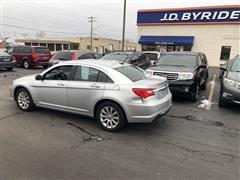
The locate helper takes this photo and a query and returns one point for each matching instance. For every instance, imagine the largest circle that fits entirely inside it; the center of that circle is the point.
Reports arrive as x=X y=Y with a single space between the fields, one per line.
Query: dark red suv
x=29 y=56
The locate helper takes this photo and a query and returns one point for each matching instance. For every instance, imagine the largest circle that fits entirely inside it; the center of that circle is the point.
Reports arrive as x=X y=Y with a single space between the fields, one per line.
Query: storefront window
x=187 y=48
x=177 y=48
x=170 y=48
x=51 y=47
x=225 y=52
x=150 y=47
x=58 y=47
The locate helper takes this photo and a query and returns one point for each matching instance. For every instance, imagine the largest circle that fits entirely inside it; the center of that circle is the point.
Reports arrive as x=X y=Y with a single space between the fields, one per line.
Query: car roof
x=98 y=63
x=182 y=53
x=125 y=52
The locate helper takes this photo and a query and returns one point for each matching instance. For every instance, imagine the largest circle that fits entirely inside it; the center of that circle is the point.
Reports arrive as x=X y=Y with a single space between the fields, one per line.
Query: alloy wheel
x=23 y=100
x=109 y=117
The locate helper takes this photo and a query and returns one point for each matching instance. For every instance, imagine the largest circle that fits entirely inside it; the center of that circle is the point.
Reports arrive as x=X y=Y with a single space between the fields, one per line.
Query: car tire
x=222 y=103
x=204 y=85
x=195 y=94
x=26 y=64
x=10 y=68
x=113 y=111
x=24 y=100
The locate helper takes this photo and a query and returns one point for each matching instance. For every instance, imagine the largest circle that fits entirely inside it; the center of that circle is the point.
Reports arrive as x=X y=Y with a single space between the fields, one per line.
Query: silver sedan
x=111 y=92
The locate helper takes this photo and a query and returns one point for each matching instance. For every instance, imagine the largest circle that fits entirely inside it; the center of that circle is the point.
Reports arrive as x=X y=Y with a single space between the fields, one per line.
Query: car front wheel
x=24 y=100
x=195 y=94
x=110 y=116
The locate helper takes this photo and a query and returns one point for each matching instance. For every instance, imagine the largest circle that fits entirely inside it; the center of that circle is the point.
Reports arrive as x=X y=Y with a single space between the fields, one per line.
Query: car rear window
x=131 y=72
x=118 y=57
x=151 y=56
x=41 y=50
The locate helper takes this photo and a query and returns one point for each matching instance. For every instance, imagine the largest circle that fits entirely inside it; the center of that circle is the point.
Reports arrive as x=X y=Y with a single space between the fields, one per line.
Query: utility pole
x=124 y=19
x=91 y=20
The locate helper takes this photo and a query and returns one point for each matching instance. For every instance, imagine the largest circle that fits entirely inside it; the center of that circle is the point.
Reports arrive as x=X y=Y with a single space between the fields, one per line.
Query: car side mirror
x=38 y=77
x=203 y=66
x=223 y=67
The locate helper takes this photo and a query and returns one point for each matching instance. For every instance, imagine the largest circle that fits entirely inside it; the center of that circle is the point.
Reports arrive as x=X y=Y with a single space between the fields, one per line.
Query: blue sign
x=207 y=15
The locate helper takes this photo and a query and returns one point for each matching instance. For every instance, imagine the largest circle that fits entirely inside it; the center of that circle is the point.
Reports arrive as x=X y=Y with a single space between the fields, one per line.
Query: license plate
x=5 y=60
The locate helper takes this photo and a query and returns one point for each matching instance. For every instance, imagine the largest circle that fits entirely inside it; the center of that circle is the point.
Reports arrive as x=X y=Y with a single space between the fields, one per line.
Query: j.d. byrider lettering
x=219 y=15
x=198 y=15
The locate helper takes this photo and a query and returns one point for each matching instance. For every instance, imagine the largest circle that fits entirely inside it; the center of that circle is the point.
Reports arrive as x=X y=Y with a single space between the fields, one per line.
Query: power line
x=34 y=29
x=30 y=22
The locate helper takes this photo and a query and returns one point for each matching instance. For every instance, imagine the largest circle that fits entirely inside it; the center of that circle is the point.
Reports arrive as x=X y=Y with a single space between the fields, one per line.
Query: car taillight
x=34 y=56
x=143 y=92
x=74 y=56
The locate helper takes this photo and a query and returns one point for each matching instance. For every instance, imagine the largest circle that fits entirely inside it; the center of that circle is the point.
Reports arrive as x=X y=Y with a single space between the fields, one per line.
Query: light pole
x=91 y=20
x=124 y=19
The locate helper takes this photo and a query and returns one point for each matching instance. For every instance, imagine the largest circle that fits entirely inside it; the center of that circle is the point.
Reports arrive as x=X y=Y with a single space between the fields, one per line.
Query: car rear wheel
x=24 y=100
x=195 y=94
x=110 y=116
x=26 y=64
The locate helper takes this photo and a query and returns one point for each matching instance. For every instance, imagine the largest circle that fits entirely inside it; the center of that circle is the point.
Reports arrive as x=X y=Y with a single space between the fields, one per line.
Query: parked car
x=111 y=92
x=135 y=58
x=187 y=72
x=60 y=56
x=29 y=56
x=6 y=60
x=230 y=83
x=153 y=56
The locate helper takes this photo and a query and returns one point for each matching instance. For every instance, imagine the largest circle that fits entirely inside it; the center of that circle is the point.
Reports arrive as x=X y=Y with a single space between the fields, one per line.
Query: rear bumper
x=144 y=113
x=7 y=64
x=39 y=63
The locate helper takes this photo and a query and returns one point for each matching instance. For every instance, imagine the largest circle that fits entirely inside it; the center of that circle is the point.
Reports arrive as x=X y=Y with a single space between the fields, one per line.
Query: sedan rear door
x=86 y=88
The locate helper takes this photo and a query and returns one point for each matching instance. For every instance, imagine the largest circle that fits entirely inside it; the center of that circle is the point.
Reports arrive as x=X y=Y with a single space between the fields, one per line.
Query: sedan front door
x=51 y=90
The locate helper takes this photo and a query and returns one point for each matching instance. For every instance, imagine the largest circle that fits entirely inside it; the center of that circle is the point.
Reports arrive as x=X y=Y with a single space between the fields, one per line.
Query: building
x=213 y=30
x=100 y=45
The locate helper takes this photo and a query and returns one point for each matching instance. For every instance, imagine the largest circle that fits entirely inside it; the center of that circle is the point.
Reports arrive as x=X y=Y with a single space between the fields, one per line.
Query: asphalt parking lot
x=188 y=143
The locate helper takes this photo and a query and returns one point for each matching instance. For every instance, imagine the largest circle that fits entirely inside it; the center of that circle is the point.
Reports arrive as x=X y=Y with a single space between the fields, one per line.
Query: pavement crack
x=196 y=119
x=10 y=115
x=201 y=152
x=91 y=135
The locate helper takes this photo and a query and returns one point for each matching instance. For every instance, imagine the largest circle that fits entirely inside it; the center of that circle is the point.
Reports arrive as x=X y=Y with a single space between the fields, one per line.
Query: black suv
x=136 y=58
x=187 y=72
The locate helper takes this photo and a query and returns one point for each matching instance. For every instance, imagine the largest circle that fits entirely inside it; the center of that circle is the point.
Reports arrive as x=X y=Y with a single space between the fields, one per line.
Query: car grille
x=5 y=59
x=169 y=76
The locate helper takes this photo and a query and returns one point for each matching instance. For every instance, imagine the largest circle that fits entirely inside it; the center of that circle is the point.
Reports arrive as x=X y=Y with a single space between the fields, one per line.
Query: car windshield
x=131 y=72
x=42 y=50
x=118 y=57
x=178 y=60
x=236 y=65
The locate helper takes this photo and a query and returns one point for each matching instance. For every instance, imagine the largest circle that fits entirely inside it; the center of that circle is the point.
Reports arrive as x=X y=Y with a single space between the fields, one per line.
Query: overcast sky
x=70 y=17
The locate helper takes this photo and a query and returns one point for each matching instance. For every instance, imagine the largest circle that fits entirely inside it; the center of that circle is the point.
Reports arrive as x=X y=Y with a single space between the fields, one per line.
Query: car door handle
x=95 y=86
x=60 y=84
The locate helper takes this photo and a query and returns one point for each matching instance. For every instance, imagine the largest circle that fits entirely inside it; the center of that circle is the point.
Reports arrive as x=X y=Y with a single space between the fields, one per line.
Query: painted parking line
x=211 y=93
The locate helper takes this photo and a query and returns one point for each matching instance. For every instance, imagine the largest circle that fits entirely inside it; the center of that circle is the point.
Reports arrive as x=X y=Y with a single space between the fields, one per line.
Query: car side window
x=84 y=73
x=27 y=50
x=17 y=50
x=143 y=58
x=59 y=73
